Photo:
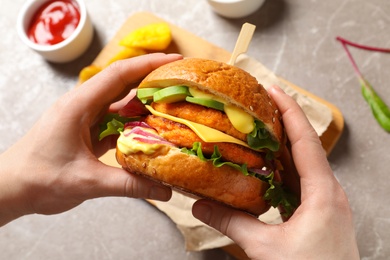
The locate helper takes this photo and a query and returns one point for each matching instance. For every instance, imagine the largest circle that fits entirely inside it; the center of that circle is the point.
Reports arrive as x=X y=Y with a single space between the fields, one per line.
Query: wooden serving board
x=189 y=45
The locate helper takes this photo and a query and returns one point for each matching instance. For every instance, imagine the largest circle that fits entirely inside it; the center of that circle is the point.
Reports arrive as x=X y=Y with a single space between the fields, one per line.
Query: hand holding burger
x=321 y=227
x=54 y=167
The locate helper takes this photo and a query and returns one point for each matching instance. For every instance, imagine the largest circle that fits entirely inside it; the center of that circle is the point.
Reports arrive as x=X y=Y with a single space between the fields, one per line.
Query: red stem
x=354 y=65
x=362 y=80
x=360 y=46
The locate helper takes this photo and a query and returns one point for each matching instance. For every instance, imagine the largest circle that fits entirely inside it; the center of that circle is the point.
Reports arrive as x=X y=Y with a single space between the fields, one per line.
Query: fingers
x=239 y=226
x=308 y=153
x=121 y=103
x=116 y=80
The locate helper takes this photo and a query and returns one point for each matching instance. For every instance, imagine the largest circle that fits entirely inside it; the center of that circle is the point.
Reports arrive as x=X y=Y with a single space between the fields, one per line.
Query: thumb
x=113 y=181
x=241 y=227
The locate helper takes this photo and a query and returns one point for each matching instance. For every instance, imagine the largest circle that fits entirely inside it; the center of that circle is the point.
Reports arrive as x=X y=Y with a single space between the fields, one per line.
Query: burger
x=209 y=130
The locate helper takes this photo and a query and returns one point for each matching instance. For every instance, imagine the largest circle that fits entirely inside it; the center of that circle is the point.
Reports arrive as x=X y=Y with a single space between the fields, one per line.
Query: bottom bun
x=189 y=174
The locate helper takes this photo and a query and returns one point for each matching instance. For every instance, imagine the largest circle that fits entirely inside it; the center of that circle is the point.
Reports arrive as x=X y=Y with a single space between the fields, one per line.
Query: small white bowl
x=235 y=8
x=67 y=50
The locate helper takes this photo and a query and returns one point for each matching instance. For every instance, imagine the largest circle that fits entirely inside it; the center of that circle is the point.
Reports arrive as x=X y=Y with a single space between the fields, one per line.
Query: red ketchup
x=54 y=22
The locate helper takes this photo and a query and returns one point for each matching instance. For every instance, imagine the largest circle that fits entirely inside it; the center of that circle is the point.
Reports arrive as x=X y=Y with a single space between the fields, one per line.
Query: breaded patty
x=200 y=114
x=183 y=136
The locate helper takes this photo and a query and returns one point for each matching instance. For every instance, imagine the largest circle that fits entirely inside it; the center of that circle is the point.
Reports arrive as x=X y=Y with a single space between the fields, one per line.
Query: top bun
x=231 y=83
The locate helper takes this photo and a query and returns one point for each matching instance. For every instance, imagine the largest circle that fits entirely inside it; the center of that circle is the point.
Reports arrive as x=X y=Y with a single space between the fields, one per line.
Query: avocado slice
x=206 y=102
x=146 y=94
x=171 y=94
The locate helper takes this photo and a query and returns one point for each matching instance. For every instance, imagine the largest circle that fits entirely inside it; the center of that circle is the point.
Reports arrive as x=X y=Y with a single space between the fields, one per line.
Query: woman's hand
x=321 y=227
x=54 y=167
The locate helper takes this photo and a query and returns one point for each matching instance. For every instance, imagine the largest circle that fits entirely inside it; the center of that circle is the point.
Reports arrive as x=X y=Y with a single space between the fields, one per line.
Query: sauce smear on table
x=54 y=22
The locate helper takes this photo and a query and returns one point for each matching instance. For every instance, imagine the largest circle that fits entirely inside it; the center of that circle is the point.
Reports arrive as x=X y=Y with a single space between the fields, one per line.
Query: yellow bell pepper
x=156 y=37
x=88 y=72
x=126 y=53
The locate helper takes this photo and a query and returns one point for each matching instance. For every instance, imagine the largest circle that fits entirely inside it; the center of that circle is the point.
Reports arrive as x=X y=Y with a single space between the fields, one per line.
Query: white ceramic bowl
x=235 y=8
x=65 y=51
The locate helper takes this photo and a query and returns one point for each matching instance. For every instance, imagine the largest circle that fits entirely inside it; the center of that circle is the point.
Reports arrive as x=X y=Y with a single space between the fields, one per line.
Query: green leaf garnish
x=215 y=157
x=378 y=107
x=112 y=124
x=279 y=197
x=260 y=138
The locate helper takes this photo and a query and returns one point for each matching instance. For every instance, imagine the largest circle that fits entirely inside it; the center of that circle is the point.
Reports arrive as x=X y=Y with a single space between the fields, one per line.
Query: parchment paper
x=199 y=236
x=318 y=114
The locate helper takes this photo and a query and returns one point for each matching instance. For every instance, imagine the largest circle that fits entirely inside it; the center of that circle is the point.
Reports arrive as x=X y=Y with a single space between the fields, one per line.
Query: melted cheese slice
x=207 y=134
x=241 y=120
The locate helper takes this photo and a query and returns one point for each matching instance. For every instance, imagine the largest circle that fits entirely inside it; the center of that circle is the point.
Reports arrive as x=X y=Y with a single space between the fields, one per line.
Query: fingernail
x=159 y=193
x=202 y=212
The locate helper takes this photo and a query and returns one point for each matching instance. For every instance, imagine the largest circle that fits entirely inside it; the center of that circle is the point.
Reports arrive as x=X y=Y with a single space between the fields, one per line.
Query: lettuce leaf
x=215 y=157
x=112 y=124
x=275 y=195
x=260 y=138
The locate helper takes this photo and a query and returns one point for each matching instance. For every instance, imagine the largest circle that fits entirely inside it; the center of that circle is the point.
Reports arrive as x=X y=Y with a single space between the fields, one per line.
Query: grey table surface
x=294 y=38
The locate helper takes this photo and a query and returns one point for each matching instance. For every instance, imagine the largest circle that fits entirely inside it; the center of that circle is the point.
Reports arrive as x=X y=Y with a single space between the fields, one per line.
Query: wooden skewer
x=243 y=41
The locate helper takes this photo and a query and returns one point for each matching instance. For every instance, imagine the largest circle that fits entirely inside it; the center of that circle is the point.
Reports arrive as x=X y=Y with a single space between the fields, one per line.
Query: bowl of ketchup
x=59 y=30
